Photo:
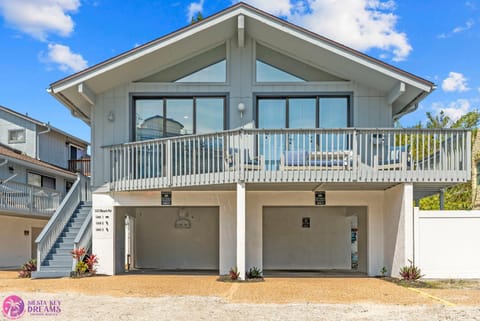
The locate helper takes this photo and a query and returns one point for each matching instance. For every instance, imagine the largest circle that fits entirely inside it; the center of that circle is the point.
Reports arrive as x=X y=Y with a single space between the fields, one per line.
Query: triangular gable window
x=213 y=73
x=274 y=66
x=269 y=73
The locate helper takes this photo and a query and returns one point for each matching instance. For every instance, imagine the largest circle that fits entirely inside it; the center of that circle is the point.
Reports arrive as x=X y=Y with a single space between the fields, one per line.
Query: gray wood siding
x=53 y=149
x=369 y=106
x=21 y=177
x=8 y=122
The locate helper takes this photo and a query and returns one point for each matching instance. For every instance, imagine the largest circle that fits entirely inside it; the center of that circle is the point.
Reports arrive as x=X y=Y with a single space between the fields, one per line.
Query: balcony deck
x=293 y=156
x=23 y=199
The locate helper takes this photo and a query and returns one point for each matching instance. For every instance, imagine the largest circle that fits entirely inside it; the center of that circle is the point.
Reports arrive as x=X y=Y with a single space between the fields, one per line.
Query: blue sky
x=46 y=40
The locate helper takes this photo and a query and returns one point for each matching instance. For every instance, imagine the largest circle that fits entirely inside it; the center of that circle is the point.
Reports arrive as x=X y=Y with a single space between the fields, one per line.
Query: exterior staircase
x=58 y=262
x=68 y=229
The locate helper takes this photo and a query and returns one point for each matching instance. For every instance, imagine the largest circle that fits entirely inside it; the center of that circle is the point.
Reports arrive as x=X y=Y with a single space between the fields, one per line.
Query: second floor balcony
x=293 y=156
x=29 y=200
x=81 y=166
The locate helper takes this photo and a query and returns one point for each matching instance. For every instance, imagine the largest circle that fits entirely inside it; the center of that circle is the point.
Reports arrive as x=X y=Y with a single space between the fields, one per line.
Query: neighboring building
x=30 y=192
x=41 y=140
x=34 y=178
x=324 y=181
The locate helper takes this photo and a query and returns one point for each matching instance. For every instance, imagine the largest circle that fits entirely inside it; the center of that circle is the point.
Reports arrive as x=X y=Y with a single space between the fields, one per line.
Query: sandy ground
x=181 y=297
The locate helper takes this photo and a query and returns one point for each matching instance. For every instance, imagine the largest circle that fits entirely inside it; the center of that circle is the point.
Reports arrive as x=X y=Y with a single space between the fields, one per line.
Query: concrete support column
x=103 y=234
x=409 y=222
x=241 y=218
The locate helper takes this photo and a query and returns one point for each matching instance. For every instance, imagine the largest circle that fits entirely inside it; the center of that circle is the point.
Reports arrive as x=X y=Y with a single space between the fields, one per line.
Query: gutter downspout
x=415 y=101
x=37 y=147
x=76 y=112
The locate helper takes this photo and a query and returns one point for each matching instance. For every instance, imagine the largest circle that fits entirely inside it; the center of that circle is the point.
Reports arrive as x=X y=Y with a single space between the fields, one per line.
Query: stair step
x=50 y=274
x=58 y=261
x=65 y=239
x=69 y=234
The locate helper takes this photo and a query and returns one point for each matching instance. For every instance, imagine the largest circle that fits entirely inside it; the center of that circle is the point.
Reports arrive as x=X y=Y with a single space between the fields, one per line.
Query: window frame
x=42 y=177
x=164 y=98
x=11 y=141
x=317 y=97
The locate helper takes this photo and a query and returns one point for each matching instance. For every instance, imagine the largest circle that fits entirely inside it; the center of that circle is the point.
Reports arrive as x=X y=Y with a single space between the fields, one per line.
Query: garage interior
x=171 y=238
x=314 y=239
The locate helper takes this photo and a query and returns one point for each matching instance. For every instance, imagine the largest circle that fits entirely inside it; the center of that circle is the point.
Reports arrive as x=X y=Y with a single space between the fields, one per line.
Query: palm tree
x=14 y=307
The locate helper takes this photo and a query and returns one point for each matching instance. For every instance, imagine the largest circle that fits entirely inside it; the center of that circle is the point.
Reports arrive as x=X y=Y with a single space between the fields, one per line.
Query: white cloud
x=38 y=18
x=66 y=60
x=194 y=8
x=454 y=109
x=455 y=82
x=468 y=25
x=361 y=24
x=471 y=5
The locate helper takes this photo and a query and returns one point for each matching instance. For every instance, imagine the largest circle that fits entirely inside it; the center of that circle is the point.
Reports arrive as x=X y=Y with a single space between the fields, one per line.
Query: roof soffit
x=327 y=55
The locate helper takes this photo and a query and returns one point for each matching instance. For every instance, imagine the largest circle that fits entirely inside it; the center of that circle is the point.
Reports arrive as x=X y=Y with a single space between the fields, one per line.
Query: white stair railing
x=79 y=192
x=84 y=237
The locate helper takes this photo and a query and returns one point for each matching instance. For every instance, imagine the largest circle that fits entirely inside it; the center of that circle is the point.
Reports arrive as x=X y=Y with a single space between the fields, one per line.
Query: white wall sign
x=103 y=222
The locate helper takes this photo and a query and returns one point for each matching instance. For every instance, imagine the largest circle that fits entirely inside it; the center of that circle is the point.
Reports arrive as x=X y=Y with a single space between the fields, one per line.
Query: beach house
x=243 y=140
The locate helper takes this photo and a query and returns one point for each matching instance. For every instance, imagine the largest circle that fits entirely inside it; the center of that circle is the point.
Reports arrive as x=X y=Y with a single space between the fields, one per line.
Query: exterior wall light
x=111 y=116
x=241 y=109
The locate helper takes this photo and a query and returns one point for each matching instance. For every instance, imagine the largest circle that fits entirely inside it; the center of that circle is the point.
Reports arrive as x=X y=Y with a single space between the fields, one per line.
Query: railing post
x=30 y=196
x=168 y=161
x=354 y=156
x=468 y=150
x=241 y=155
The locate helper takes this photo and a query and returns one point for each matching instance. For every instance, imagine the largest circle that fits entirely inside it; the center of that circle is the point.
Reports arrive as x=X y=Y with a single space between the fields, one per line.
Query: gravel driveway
x=174 y=297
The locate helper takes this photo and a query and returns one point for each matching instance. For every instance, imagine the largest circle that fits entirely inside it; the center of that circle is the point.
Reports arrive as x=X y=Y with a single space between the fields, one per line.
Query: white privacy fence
x=446 y=243
x=293 y=155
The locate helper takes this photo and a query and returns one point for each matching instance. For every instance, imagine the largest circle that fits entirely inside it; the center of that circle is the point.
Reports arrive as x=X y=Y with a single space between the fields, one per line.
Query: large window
x=41 y=180
x=157 y=117
x=303 y=112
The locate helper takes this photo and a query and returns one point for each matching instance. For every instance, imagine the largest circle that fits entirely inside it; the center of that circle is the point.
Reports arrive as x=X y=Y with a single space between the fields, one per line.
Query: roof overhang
x=39 y=167
x=78 y=91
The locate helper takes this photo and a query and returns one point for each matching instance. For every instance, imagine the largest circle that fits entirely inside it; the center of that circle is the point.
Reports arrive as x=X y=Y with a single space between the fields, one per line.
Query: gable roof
x=260 y=24
x=16 y=156
x=46 y=125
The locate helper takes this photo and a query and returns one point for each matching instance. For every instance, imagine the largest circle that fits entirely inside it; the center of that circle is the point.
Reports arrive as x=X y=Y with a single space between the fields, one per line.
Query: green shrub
x=383 y=271
x=254 y=273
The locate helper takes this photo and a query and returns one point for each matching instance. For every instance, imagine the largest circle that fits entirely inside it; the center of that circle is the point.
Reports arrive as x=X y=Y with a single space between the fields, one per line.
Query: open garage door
x=174 y=238
x=314 y=238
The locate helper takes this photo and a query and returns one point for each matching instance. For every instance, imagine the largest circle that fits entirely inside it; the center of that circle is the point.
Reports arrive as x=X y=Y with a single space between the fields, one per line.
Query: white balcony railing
x=28 y=199
x=289 y=155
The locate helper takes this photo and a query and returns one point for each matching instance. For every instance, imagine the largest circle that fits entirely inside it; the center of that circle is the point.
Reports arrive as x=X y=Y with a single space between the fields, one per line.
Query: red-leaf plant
x=91 y=261
x=78 y=254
